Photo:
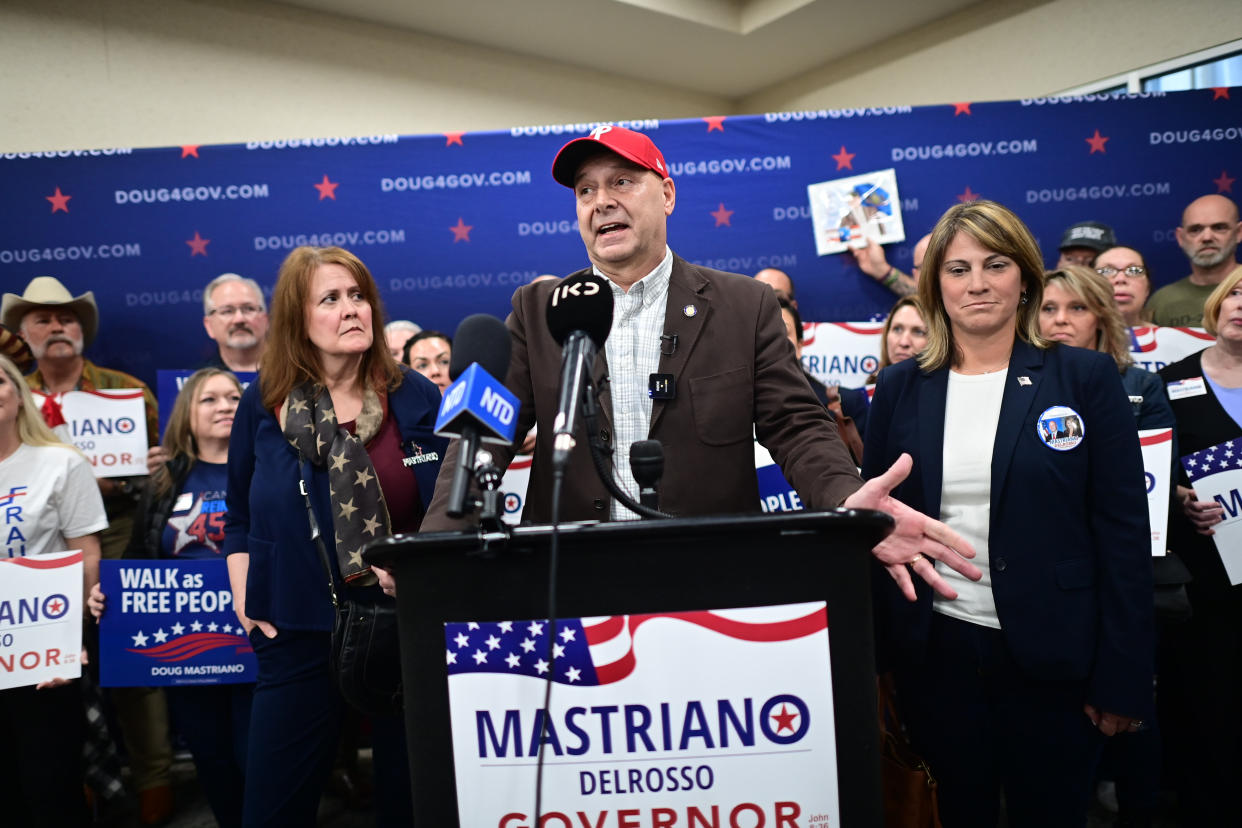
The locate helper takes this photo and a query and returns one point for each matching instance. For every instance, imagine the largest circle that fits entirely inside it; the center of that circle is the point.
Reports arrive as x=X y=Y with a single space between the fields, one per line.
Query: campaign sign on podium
x=40 y=618
x=654 y=719
x=170 y=622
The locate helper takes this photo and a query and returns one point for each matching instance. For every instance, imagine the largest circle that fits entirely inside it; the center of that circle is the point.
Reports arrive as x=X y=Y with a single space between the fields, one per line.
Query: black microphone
x=579 y=319
x=647 y=464
x=483 y=340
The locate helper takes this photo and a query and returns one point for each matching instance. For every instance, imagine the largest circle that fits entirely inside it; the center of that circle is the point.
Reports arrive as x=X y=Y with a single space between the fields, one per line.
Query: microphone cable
x=554 y=547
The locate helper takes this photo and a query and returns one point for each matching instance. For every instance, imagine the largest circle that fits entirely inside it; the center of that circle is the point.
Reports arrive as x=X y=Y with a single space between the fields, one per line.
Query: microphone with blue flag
x=477 y=407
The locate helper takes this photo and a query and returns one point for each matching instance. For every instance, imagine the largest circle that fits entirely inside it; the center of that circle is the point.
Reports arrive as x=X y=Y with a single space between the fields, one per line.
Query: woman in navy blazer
x=1029 y=450
x=321 y=342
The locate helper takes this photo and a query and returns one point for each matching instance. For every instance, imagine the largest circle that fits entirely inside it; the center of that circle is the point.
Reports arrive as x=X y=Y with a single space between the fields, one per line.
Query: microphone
x=647 y=464
x=579 y=319
x=476 y=407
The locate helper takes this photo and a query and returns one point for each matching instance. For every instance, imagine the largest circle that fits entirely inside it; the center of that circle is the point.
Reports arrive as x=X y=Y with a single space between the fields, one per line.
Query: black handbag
x=365 y=655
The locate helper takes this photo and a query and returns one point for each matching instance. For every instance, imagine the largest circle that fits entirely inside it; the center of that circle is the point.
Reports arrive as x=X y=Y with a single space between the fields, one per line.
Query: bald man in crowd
x=1209 y=236
x=780 y=282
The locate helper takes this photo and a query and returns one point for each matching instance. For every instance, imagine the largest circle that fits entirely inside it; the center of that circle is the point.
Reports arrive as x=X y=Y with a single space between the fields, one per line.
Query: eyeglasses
x=234 y=310
x=1108 y=271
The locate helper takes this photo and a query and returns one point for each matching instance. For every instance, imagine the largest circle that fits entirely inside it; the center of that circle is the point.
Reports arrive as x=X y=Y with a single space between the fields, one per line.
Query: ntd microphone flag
x=477 y=397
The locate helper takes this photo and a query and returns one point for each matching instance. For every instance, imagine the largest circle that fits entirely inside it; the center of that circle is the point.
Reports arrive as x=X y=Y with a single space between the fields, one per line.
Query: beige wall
x=101 y=73
x=1009 y=49
x=105 y=73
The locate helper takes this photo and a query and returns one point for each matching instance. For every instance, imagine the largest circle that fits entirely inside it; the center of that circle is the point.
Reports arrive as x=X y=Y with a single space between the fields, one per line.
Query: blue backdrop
x=451 y=224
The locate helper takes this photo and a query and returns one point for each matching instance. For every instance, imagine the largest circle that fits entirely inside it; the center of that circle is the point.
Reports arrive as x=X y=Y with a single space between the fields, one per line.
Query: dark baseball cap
x=1092 y=234
x=630 y=145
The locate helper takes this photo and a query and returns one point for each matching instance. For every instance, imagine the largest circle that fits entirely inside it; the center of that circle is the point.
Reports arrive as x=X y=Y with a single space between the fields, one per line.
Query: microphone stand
x=601 y=456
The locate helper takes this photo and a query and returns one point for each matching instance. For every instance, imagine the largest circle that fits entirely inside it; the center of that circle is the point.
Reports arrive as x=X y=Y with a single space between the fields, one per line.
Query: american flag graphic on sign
x=593 y=651
x=1214 y=460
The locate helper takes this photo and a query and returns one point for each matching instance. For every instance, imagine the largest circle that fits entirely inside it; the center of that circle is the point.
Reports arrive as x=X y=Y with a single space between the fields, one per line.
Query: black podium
x=639 y=567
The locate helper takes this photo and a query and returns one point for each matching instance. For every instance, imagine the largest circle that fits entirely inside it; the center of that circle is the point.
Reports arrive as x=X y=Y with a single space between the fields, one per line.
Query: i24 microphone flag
x=579 y=318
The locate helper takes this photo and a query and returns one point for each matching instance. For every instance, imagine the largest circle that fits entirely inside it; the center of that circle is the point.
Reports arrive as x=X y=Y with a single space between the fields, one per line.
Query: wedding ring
x=917 y=557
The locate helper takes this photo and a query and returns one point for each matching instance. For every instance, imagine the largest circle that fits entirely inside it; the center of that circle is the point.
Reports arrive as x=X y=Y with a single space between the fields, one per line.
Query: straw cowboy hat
x=48 y=292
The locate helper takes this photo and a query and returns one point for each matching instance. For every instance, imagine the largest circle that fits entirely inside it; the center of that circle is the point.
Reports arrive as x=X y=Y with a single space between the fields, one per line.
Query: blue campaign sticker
x=1061 y=428
x=170 y=623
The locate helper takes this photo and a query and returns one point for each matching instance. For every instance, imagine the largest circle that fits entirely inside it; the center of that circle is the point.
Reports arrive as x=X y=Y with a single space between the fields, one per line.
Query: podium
x=639 y=567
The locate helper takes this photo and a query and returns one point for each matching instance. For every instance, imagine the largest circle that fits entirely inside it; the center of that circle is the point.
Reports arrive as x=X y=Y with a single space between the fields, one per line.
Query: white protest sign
x=1153 y=348
x=109 y=427
x=841 y=353
x=1157 y=445
x=40 y=618
x=714 y=718
x=1216 y=474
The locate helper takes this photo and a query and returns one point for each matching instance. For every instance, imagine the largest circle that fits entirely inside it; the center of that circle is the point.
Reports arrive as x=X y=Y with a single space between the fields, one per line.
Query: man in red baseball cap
x=696 y=359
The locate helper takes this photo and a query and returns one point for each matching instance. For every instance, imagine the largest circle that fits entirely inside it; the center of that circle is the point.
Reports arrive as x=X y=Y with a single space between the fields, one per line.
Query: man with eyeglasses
x=235 y=316
x=1209 y=237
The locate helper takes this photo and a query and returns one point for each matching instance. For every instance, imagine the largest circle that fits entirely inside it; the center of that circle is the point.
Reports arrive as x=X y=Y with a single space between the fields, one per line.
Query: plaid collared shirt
x=633 y=350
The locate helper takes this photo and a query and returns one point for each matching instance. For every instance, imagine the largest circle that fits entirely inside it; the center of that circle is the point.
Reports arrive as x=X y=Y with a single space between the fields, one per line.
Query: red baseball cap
x=633 y=146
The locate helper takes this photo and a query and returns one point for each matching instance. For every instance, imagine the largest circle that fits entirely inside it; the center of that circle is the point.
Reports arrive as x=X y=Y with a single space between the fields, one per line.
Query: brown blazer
x=736 y=375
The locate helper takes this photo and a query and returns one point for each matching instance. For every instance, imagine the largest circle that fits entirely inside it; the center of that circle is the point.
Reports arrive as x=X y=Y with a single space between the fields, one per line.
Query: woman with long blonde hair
x=51 y=503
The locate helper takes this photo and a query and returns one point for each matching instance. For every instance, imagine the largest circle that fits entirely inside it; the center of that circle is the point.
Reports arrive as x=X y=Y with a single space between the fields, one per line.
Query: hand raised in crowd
x=1202 y=514
x=917 y=540
x=871 y=259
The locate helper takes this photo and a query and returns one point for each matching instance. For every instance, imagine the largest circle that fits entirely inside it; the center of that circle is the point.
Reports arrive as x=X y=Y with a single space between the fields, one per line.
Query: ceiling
x=730 y=48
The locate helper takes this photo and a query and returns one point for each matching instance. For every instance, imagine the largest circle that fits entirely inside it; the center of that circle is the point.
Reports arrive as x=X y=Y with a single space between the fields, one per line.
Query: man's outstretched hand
x=917 y=540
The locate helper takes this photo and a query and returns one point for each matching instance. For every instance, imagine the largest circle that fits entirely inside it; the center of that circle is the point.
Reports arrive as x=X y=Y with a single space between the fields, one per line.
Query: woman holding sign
x=182 y=517
x=1028 y=450
x=332 y=448
x=50 y=503
x=1205 y=685
x=1080 y=309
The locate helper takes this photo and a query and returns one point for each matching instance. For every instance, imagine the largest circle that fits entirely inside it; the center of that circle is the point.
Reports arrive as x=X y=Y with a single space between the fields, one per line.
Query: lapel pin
x=1024 y=380
x=689 y=310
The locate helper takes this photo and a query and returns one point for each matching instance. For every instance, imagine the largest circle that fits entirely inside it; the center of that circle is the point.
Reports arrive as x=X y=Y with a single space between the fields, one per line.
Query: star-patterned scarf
x=359 y=512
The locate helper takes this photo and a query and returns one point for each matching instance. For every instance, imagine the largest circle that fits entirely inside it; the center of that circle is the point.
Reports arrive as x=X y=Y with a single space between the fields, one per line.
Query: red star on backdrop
x=1097 y=142
x=715 y=123
x=961 y=109
x=198 y=245
x=189 y=149
x=845 y=160
x=967 y=196
x=1219 y=92
x=1224 y=184
x=721 y=215
x=327 y=188
x=784 y=720
x=59 y=200
x=451 y=138
x=461 y=231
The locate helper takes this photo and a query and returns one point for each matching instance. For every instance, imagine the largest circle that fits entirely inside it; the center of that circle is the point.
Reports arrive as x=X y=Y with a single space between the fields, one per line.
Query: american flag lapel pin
x=1024 y=380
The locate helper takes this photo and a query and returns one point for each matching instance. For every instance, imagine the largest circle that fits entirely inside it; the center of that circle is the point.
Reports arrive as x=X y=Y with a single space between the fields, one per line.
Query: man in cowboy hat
x=59 y=326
